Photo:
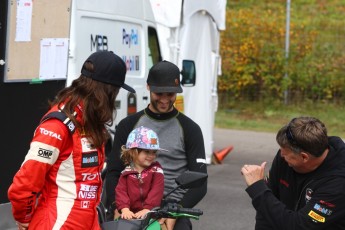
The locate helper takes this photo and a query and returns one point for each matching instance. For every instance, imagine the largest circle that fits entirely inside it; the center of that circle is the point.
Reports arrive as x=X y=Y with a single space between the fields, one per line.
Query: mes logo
x=45 y=153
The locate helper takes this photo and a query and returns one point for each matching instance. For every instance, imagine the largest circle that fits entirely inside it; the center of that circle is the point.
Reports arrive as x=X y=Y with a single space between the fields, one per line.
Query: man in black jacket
x=306 y=184
x=177 y=133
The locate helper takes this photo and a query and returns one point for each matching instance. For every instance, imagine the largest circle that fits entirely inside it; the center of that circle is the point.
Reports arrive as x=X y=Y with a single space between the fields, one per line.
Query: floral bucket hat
x=143 y=138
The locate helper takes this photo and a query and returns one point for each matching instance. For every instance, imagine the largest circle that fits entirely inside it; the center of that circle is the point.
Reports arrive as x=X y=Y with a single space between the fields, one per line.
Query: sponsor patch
x=90 y=176
x=85 y=204
x=153 y=141
x=316 y=216
x=86 y=145
x=308 y=194
x=70 y=126
x=88 y=192
x=322 y=209
x=50 y=133
x=45 y=153
x=327 y=204
x=89 y=160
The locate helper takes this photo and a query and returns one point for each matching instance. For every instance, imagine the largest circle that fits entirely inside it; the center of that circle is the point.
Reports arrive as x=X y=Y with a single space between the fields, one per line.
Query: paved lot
x=226 y=205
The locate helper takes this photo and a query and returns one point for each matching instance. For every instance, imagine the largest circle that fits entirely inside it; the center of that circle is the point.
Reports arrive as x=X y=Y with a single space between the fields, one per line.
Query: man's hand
x=169 y=224
x=253 y=173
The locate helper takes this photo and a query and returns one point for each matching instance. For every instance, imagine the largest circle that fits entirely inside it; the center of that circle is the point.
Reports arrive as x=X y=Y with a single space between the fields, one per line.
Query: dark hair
x=307 y=134
x=98 y=104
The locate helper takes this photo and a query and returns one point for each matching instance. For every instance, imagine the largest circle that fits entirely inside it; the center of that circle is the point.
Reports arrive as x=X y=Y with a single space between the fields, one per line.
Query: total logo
x=50 y=133
x=89 y=176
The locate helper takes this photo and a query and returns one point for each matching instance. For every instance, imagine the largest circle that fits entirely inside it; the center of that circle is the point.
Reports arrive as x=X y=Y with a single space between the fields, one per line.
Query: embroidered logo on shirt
x=322 y=209
x=316 y=216
x=327 y=204
x=284 y=182
x=89 y=160
x=308 y=194
x=45 y=153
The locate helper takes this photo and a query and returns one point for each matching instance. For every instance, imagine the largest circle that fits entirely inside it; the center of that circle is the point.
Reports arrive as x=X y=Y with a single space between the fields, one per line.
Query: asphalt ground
x=226 y=205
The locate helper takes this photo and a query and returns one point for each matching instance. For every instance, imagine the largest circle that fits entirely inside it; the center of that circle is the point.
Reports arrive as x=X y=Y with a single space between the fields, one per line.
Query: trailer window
x=154 y=54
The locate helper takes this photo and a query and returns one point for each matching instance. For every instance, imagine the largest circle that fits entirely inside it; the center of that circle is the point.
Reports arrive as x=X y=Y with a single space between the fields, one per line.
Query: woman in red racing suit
x=62 y=167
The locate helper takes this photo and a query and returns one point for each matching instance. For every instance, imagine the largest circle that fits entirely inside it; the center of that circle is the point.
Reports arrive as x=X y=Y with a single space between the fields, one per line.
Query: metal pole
x=287 y=45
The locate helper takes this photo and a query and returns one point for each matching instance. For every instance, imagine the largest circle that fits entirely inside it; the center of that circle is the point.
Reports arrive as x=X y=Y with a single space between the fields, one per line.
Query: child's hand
x=127 y=214
x=141 y=214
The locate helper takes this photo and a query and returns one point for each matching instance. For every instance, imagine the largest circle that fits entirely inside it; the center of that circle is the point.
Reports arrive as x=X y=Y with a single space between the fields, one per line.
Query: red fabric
x=138 y=194
x=66 y=171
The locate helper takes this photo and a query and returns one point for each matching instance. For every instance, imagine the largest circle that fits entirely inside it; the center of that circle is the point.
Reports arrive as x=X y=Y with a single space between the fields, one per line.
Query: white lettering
x=71 y=126
x=89 y=176
x=50 y=133
x=87 y=195
x=84 y=187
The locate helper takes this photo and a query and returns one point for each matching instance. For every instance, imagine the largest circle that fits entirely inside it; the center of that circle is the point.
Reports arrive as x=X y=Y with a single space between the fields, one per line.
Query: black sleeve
x=114 y=163
x=261 y=222
x=314 y=215
x=195 y=150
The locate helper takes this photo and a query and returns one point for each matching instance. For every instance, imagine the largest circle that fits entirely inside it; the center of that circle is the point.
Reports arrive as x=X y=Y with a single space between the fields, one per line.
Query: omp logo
x=50 y=133
x=99 y=43
x=316 y=216
x=45 y=153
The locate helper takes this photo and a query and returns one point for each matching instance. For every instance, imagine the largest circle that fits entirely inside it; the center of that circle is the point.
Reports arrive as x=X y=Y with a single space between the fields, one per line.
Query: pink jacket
x=138 y=191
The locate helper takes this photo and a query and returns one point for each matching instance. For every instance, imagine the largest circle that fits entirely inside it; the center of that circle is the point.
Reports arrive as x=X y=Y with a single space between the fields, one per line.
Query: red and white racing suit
x=66 y=171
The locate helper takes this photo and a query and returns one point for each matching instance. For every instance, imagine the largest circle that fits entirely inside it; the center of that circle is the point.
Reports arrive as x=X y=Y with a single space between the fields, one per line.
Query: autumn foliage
x=256 y=64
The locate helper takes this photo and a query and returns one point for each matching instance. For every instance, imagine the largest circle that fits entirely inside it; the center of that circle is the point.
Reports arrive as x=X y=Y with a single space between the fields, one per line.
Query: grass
x=258 y=116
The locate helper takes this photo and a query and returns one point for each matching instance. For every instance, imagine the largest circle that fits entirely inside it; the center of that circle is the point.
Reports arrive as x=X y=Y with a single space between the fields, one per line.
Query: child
x=141 y=184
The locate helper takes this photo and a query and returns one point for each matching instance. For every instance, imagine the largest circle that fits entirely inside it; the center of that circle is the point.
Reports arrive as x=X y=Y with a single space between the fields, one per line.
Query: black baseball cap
x=164 y=77
x=108 y=68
